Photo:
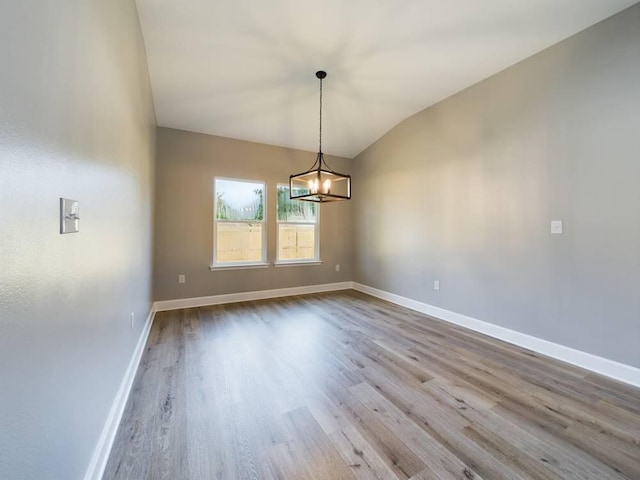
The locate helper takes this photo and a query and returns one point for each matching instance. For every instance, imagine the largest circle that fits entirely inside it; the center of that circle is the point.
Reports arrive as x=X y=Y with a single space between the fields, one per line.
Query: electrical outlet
x=182 y=279
x=556 y=227
x=337 y=267
x=133 y=318
x=436 y=284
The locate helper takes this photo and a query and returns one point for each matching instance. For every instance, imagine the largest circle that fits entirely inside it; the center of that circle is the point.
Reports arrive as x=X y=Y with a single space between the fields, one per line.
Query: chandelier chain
x=320 y=141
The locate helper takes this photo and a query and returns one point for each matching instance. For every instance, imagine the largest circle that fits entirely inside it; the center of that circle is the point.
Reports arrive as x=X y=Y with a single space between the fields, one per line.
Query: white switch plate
x=182 y=279
x=436 y=284
x=556 y=227
x=338 y=267
x=69 y=216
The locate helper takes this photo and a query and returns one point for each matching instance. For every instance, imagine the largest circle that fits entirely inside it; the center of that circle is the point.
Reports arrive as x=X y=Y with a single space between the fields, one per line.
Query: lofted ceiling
x=245 y=69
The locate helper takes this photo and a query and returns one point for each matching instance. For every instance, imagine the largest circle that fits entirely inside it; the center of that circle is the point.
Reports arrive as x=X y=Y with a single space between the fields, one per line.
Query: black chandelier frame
x=320 y=183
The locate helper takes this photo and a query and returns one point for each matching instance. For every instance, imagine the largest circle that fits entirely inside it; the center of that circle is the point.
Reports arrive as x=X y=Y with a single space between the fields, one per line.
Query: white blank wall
x=464 y=192
x=76 y=121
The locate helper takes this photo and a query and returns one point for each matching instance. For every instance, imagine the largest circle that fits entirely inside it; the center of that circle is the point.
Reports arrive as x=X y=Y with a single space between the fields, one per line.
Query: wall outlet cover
x=556 y=227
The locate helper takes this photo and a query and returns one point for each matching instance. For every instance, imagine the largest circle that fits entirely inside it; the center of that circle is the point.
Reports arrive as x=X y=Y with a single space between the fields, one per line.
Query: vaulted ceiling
x=245 y=68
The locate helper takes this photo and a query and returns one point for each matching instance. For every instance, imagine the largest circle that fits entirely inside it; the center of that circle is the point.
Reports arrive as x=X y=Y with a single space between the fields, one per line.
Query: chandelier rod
x=320 y=139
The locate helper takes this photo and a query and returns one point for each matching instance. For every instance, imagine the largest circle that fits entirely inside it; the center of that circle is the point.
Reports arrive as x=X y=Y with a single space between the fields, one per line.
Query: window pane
x=239 y=242
x=296 y=242
x=239 y=200
x=294 y=210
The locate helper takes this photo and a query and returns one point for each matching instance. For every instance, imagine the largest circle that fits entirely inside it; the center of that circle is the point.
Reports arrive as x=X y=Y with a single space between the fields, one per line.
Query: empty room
x=295 y=240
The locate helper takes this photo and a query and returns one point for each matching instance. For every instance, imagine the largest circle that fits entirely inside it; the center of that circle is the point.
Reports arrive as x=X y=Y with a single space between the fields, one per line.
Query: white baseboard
x=103 y=448
x=165 y=305
x=603 y=366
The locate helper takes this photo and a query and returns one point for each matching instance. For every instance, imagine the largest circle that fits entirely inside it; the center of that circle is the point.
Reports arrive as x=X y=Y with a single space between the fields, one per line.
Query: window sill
x=296 y=264
x=239 y=266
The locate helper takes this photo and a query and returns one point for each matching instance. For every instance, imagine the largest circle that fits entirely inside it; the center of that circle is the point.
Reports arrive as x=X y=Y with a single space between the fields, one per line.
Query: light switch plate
x=69 y=216
x=556 y=227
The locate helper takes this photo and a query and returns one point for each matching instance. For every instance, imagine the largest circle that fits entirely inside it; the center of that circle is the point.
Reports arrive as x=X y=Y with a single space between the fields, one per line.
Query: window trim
x=297 y=263
x=239 y=266
x=262 y=263
x=316 y=260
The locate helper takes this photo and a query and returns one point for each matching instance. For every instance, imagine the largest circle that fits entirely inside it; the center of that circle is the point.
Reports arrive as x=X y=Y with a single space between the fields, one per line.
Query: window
x=297 y=229
x=239 y=227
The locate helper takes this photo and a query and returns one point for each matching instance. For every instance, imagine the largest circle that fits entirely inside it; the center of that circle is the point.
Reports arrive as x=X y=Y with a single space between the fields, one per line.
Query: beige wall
x=76 y=121
x=464 y=193
x=186 y=166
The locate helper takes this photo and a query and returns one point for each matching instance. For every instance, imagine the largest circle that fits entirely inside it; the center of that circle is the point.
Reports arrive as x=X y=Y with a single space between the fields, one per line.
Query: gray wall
x=76 y=121
x=186 y=166
x=464 y=192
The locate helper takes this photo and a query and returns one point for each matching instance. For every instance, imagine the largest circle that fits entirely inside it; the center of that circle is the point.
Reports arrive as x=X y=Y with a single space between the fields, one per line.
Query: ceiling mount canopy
x=320 y=183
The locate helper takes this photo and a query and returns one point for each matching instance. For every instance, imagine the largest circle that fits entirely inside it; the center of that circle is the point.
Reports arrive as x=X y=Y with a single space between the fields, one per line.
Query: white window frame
x=262 y=263
x=316 y=250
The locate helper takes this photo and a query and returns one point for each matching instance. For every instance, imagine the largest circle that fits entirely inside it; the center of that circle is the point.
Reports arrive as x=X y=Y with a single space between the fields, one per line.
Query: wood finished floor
x=345 y=386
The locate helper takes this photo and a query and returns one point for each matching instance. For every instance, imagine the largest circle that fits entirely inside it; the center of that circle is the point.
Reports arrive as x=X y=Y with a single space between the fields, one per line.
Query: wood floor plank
x=445 y=426
x=342 y=385
x=439 y=460
x=393 y=451
x=319 y=452
x=622 y=456
x=559 y=456
x=365 y=462
x=288 y=463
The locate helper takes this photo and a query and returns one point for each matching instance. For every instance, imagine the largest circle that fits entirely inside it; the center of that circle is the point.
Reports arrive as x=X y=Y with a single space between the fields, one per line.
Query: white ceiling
x=246 y=68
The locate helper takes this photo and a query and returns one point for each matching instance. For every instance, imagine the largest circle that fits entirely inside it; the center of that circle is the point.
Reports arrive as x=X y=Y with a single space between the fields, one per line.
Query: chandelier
x=320 y=183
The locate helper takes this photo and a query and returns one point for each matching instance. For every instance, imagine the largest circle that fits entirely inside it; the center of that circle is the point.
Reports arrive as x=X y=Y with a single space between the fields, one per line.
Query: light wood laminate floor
x=345 y=386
